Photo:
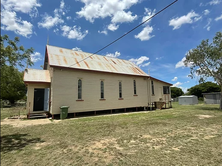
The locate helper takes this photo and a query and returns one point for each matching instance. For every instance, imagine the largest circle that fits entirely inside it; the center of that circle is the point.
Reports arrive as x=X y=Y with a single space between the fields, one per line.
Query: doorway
x=39 y=99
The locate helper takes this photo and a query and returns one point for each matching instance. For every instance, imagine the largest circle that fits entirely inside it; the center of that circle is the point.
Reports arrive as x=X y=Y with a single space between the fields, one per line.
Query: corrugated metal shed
x=188 y=100
x=62 y=57
x=212 y=98
x=35 y=75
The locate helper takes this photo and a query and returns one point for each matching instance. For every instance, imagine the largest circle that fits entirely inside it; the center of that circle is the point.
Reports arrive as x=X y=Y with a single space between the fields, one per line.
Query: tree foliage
x=12 y=85
x=206 y=60
x=12 y=57
x=176 y=92
x=206 y=87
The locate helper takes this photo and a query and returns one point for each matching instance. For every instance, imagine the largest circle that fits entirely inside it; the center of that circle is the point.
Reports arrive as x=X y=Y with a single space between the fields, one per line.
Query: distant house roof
x=36 y=76
x=62 y=57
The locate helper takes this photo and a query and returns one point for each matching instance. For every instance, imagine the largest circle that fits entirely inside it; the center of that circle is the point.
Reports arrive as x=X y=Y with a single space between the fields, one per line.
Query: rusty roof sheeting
x=67 y=58
x=35 y=75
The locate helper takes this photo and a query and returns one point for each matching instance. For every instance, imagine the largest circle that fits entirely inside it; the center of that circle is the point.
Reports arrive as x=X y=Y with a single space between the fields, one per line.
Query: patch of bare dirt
x=204 y=116
x=25 y=123
x=102 y=149
x=176 y=148
x=209 y=136
x=41 y=145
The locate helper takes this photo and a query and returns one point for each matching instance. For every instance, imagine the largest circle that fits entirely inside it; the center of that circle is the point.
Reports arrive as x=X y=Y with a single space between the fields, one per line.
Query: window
x=134 y=87
x=79 y=89
x=120 y=89
x=102 y=89
x=166 y=90
x=152 y=87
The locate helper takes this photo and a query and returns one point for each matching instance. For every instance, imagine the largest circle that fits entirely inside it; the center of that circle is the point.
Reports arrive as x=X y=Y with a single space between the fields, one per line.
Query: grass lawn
x=183 y=135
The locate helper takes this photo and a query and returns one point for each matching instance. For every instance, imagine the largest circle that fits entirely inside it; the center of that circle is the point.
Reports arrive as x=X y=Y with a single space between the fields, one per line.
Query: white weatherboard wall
x=188 y=100
x=64 y=91
x=158 y=92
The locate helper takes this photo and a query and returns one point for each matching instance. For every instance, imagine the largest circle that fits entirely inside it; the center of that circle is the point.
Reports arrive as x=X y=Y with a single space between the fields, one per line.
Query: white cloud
x=159 y=58
x=184 y=89
x=10 y=22
x=62 y=4
x=186 y=82
x=49 y=21
x=201 y=4
x=174 y=79
x=206 y=12
x=21 y=6
x=76 y=49
x=94 y=9
x=68 y=17
x=122 y=16
x=104 y=32
x=148 y=13
x=9 y=19
x=180 y=63
x=215 y=2
x=140 y=61
x=177 y=84
x=190 y=18
x=115 y=55
x=145 y=34
x=208 y=24
x=145 y=64
x=115 y=9
x=113 y=27
x=218 y=18
x=56 y=30
x=36 y=57
x=73 y=32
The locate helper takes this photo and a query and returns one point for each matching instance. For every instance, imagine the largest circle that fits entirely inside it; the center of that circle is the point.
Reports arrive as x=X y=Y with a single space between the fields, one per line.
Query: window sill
x=135 y=95
x=79 y=100
x=102 y=99
x=121 y=99
x=153 y=95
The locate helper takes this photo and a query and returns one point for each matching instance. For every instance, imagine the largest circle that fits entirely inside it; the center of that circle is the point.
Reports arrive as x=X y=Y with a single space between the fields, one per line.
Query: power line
x=127 y=32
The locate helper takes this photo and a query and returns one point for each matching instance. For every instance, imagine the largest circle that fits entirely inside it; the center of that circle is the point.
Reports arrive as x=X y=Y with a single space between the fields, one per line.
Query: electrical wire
x=126 y=32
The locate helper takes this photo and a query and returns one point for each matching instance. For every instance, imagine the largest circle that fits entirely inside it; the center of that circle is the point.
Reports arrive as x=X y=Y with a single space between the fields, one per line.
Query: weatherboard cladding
x=35 y=75
x=62 y=57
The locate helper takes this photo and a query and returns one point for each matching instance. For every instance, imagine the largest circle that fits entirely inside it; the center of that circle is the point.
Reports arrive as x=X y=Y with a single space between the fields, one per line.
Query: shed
x=212 y=98
x=188 y=100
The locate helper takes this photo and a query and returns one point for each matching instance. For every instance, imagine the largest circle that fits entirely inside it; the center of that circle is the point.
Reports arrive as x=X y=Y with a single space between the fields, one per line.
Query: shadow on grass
x=16 y=142
x=207 y=108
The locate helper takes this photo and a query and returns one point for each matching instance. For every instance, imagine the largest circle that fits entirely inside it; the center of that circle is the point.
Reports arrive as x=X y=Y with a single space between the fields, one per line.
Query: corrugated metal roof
x=69 y=58
x=35 y=75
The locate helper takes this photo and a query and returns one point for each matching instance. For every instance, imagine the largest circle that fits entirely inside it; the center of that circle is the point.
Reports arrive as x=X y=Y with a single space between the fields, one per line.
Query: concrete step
x=37 y=115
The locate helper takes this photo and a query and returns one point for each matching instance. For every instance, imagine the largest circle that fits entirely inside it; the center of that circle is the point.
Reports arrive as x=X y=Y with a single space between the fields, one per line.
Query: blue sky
x=158 y=46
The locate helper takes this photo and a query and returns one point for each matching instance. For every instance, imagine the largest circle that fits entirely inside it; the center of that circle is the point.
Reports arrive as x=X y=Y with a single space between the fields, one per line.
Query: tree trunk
x=12 y=102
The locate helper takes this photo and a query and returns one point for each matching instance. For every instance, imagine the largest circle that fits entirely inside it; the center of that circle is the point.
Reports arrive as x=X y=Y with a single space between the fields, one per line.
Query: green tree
x=13 y=87
x=206 y=61
x=206 y=87
x=176 y=92
x=12 y=57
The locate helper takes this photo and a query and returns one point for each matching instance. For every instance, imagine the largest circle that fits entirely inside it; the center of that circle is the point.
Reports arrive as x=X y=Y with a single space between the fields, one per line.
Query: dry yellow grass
x=184 y=135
